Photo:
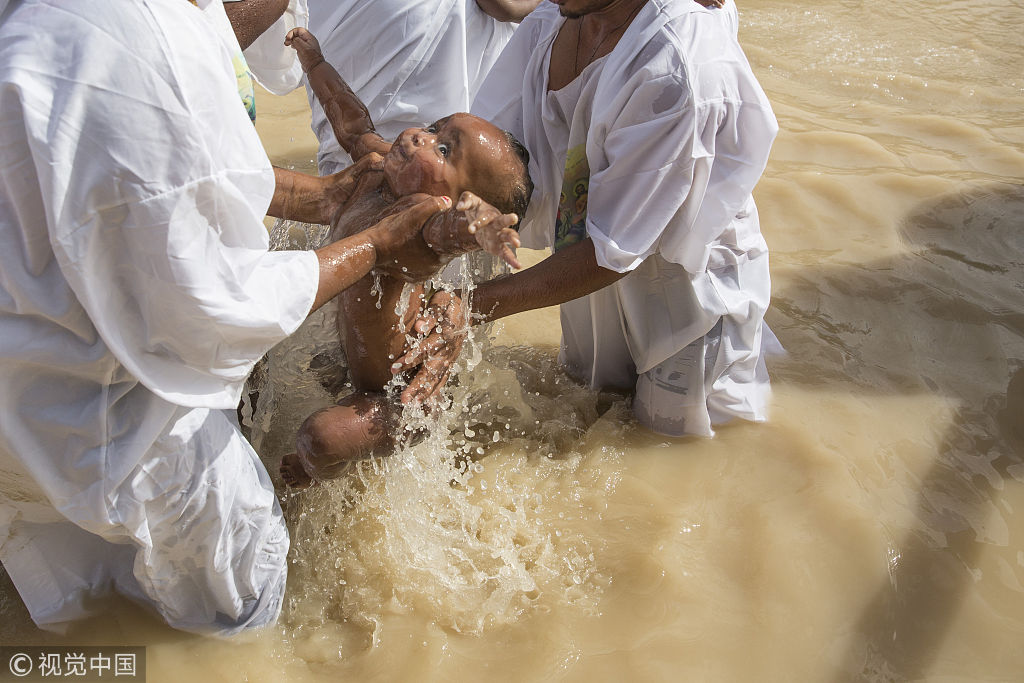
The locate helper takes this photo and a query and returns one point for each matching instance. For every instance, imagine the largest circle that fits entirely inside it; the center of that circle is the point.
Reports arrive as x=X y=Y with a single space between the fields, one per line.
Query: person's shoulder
x=688 y=34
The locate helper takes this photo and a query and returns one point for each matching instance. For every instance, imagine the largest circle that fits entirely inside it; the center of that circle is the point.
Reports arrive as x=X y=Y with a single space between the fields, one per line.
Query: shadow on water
x=945 y=319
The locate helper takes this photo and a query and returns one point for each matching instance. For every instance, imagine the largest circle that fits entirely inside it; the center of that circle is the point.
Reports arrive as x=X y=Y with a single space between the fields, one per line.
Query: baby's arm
x=473 y=225
x=493 y=230
x=346 y=113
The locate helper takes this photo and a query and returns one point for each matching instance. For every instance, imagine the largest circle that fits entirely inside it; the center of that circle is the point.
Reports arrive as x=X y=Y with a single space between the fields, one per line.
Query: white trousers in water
x=194 y=532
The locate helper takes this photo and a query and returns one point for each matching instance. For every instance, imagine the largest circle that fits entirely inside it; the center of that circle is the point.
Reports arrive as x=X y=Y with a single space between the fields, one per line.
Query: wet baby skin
x=459 y=156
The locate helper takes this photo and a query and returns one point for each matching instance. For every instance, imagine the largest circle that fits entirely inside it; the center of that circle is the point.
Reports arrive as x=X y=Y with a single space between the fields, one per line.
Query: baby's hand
x=492 y=229
x=307 y=47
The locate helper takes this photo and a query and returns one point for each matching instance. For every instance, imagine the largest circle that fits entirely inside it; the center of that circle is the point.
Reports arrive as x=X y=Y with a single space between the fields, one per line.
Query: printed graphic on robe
x=571 y=221
x=246 y=90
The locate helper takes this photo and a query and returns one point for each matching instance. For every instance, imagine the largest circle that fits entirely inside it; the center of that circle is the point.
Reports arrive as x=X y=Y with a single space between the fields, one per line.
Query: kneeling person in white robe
x=648 y=133
x=136 y=293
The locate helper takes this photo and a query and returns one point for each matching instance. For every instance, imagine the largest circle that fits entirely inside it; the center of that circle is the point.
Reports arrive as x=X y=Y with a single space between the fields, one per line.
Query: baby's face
x=457 y=153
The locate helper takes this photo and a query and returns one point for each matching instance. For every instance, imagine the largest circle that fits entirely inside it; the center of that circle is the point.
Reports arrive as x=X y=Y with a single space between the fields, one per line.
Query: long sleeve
x=673 y=160
x=154 y=185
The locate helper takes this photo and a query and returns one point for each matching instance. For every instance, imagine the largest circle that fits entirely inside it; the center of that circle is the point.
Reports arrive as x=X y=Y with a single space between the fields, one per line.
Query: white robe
x=274 y=65
x=136 y=293
x=664 y=139
x=410 y=61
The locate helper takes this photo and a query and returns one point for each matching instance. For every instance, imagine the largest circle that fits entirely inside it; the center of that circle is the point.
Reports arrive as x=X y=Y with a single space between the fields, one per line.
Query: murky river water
x=872 y=530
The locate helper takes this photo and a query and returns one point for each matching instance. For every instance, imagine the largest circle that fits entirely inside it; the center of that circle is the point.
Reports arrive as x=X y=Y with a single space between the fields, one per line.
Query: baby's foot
x=293 y=473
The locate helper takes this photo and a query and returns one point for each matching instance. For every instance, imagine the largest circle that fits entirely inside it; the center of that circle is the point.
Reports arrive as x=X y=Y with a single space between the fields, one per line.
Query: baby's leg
x=359 y=426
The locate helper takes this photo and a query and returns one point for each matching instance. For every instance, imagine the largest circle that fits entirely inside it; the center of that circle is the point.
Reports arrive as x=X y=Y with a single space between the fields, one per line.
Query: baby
x=458 y=156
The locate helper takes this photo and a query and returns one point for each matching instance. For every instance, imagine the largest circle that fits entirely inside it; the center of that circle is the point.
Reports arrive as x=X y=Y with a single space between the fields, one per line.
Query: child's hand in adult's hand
x=306 y=46
x=397 y=236
x=442 y=329
x=492 y=229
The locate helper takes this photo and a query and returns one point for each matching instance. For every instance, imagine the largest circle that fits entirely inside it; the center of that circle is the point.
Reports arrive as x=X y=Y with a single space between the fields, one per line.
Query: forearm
x=507 y=10
x=342 y=264
x=251 y=18
x=299 y=197
x=569 y=274
x=346 y=113
x=447 y=234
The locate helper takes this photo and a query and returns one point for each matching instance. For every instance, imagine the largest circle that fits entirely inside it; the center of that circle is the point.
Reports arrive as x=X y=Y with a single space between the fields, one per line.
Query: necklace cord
x=609 y=34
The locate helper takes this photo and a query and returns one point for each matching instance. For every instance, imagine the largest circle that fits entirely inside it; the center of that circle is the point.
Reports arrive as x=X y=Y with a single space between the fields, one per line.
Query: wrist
x=317 y=62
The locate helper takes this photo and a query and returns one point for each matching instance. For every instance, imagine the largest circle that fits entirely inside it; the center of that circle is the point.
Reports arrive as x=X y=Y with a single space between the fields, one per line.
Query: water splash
x=475 y=521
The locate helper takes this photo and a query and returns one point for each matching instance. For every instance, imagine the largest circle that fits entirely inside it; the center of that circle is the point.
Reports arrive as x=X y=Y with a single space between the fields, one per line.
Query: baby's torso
x=370 y=331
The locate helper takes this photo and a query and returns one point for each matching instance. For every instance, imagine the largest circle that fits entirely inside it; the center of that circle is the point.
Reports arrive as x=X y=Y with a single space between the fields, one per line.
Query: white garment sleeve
x=273 y=65
x=670 y=171
x=155 y=185
x=500 y=97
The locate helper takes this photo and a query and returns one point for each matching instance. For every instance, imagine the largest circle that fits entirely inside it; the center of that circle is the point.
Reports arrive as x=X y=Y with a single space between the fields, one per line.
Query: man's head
x=458 y=153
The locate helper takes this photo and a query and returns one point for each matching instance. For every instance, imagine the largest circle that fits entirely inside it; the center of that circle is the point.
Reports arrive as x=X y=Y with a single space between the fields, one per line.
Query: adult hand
x=318 y=199
x=345 y=262
x=398 y=232
x=344 y=186
x=442 y=326
x=492 y=229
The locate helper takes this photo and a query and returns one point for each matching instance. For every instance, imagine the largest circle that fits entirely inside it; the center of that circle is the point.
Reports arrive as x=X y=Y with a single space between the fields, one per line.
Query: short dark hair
x=515 y=198
x=519 y=199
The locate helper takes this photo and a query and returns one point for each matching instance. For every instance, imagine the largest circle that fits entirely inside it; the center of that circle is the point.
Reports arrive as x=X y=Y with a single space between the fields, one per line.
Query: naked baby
x=458 y=156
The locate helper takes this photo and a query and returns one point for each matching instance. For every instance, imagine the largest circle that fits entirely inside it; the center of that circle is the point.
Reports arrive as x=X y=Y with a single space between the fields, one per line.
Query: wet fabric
x=410 y=61
x=214 y=13
x=652 y=152
x=272 y=64
x=136 y=293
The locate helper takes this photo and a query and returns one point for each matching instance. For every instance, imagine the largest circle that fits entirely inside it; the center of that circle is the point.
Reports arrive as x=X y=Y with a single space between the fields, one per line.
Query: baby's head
x=458 y=153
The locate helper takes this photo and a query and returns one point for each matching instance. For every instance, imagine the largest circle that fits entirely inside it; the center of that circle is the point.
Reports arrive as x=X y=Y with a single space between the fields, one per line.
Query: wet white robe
x=274 y=65
x=410 y=61
x=653 y=151
x=136 y=293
